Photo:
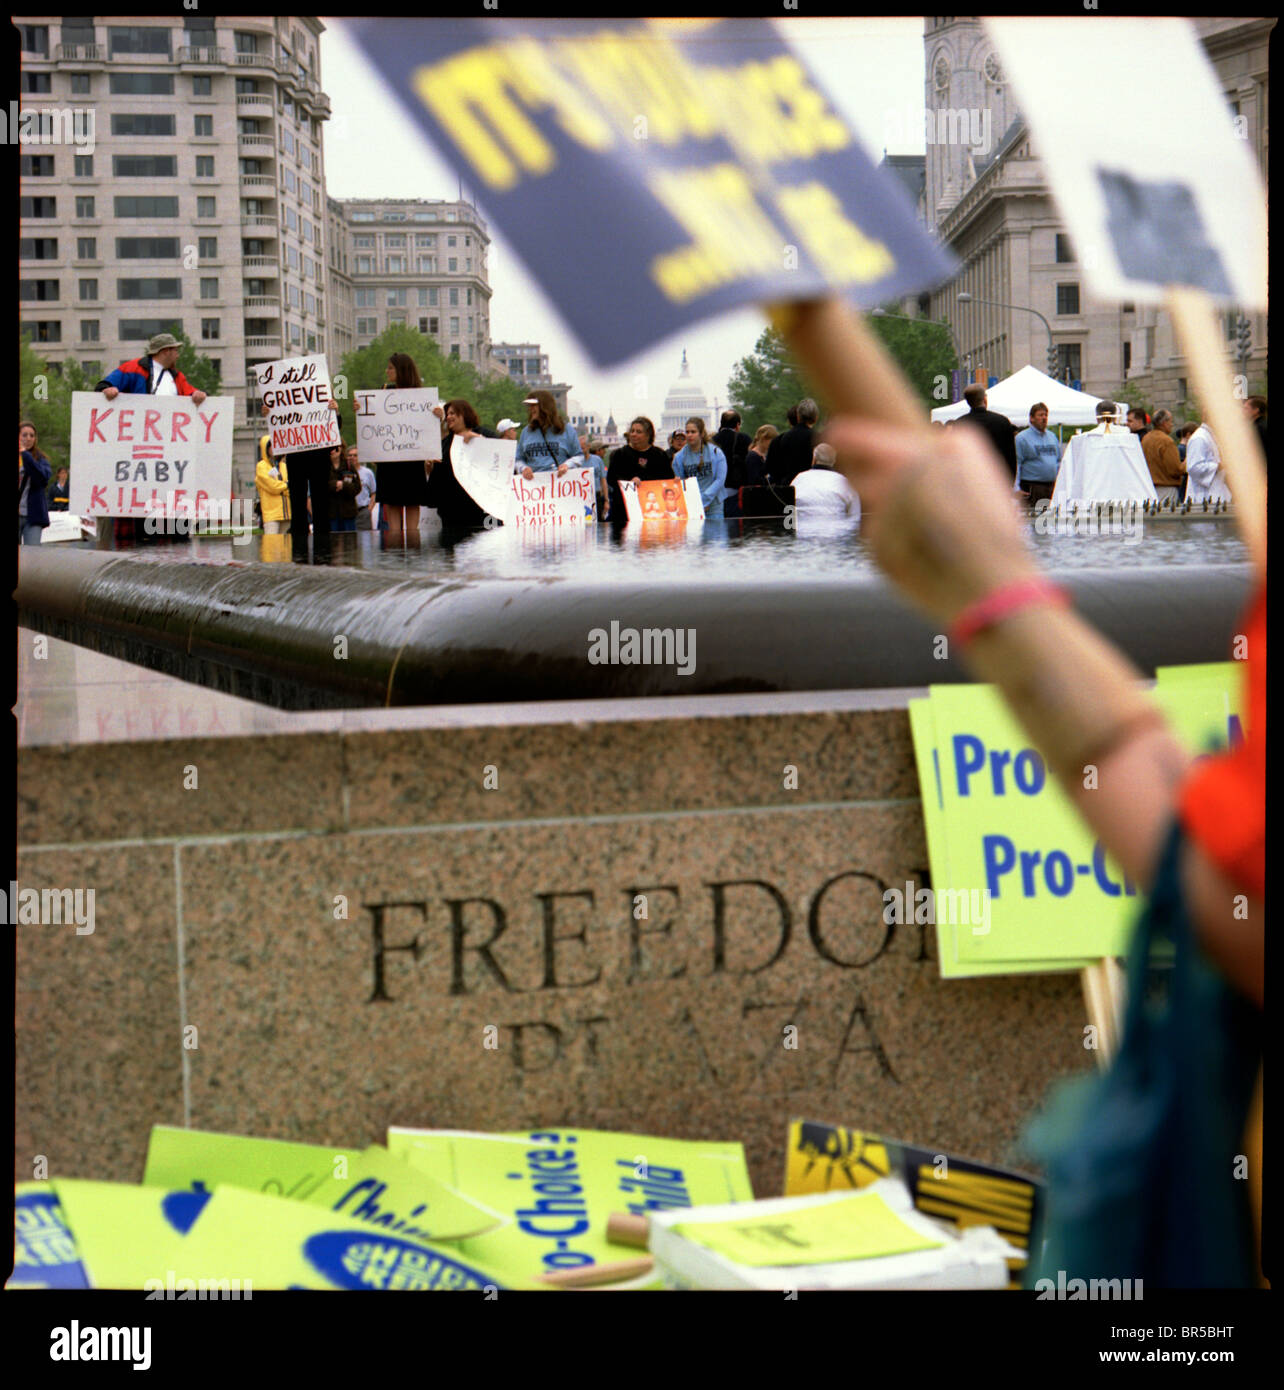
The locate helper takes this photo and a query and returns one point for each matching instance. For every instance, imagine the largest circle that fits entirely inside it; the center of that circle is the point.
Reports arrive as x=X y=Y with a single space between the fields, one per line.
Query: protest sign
x=1155 y=185
x=296 y=391
x=397 y=425
x=825 y=1158
x=272 y=1243
x=150 y=455
x=484 y=469
x=366 y=1185
x=664 y=499
x=45 y=1255
x=558 y=1188
x=722 y=174
x=547 y=500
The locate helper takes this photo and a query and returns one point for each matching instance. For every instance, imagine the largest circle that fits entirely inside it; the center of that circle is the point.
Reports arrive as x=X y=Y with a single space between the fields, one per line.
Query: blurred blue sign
x=956 y=386
x=655 y=173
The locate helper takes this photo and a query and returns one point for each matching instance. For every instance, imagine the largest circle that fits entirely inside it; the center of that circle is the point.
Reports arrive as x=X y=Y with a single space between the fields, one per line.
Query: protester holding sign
x=403 y=483
x=309 y=482
x=702 y=460
x=639 y=461
x=155 y=374
x=455 y=508
x=547 y=441
x=33 y=478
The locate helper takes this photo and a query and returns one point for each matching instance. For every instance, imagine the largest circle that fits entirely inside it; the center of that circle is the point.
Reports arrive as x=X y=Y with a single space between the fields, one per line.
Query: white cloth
x=163 y=383
x=1204 y=465
x=1101 y=466
x=822 y=492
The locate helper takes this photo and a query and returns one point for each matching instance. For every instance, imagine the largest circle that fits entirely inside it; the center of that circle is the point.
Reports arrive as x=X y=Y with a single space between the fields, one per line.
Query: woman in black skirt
x=403 y=483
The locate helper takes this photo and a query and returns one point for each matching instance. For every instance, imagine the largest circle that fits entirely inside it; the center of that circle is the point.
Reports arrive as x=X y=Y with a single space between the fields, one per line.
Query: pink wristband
x=1003 y=601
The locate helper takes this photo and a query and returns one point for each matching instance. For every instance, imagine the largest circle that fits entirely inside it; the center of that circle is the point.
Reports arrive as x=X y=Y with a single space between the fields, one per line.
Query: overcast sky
x=872 y=70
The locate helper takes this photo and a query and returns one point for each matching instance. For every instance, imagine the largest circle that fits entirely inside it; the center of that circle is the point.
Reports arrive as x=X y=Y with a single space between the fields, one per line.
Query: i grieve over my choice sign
x=145 y=456
x=397 y=424
x=296 y=391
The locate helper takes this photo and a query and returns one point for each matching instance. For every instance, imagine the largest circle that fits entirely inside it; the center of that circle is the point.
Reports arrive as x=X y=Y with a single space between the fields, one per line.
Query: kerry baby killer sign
x=721 y=173
x=150 y=455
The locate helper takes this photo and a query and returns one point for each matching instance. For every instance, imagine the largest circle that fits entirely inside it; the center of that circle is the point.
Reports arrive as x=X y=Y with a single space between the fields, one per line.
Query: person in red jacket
x=155 y=374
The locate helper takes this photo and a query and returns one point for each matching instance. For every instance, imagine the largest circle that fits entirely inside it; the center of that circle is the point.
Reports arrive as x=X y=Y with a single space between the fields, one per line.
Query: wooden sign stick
x=1200 y=337
x=850 y=365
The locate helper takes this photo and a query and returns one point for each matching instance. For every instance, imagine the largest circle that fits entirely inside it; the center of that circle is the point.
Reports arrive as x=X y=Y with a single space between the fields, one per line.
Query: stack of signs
x=747 y=188
x=558 y=1188
x=1019 y=883
x=662 y=500
x=296 y=391
x=151 y=456
x=397 y=425
x=827 y=1158
x=873 y=1239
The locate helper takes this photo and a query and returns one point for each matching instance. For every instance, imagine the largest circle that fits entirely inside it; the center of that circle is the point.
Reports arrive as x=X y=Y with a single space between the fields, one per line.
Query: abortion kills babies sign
x=547 y=500
x=296 y=391
x=397 y=425
x=142 y=456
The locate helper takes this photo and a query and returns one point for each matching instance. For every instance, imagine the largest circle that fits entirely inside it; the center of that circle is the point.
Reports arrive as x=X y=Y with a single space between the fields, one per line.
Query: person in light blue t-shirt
x=1038 y=455
x=701 y=459
x=547 y=441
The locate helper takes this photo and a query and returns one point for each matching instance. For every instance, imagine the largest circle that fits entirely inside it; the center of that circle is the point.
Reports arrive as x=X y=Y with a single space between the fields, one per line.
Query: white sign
x=547 y=500
x=394 y=424
x=1142 y=155
x=296 y=391
x=142 y=456
x=484 y=469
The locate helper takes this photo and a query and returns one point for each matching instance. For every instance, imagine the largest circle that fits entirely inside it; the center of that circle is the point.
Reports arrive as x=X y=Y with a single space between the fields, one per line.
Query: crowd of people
x=328 y=489
x=1184 y=461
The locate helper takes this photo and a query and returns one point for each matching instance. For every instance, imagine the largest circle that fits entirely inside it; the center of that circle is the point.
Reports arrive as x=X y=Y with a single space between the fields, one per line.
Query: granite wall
x=664 y=924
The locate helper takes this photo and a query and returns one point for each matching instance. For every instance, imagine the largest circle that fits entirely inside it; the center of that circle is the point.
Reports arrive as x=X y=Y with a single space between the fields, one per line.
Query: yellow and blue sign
x=720 y=172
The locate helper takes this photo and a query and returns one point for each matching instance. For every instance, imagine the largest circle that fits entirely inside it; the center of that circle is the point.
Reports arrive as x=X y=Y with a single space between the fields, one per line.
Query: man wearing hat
x=506 y=429
x=156 y=374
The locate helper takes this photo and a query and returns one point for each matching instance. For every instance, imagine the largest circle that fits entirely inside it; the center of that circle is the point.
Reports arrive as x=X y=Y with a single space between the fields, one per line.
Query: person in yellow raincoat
x=273 y=484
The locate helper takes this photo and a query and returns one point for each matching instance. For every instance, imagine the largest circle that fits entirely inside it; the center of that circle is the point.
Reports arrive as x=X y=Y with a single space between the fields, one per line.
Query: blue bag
x=1145 y=1161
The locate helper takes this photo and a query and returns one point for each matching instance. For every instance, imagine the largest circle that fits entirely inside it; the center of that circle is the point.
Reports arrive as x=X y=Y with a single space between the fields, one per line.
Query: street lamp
x=966 y=298
x=931 y=323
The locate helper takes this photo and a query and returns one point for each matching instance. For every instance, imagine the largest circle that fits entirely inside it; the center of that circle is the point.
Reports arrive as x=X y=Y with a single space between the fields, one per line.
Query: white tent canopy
x=1015 y=395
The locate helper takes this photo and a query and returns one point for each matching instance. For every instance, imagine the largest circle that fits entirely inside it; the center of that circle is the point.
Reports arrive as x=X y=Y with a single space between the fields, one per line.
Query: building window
x=88 y=331
x=204 y=166
x=37 y=207
x=454 y=325
x=454 y=349
x=394 y=242
x=426 y=265
x=363 y=265
x=35 y=39
x=89 y=289
x=142 y=124
x=36 y=84
x=470 y=297
x=1069 y=362
x=432 y=298
x=363 y=243
x=367 y=328
x=1064 y=252
x=452 y=265
x=137 y=39
x=532 y=366
x=396 y=299
x=144 y=166
x=136 y=330
x=37 y=289
x=80 y=84
x=86 y=248
x=396 y=265
x=205 y=207
x=207 y=248
x=141 y=84
x=84 y=166
x=202 y=125
x=209 y=287
x=452 y=241
x=202 y=86
x=44 y=248
x=146 y=207
x=36 y=166
x=468 y=265
x=45 y=331
x=454 y=299
x=149 y=288
x=423 y=239
x=1127 y=357
x=209 y=330
x=147 y=248
x=85 y=206
x=365 y=299
x=1067 y=299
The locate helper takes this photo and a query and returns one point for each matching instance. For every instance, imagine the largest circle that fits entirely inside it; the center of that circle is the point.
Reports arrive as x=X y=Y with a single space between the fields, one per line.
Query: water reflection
x=742 y=550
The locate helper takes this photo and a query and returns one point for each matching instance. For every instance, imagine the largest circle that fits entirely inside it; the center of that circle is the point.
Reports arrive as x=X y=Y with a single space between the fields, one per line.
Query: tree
x=195 y=366
x=923 y=350
x=492 y=398
x=764 y=385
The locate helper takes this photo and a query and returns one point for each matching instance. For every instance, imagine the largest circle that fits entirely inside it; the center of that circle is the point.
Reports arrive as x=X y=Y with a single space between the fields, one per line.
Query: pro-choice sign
x=397 y=425
x=296 y=391
x=722 y=174
x=146 y=456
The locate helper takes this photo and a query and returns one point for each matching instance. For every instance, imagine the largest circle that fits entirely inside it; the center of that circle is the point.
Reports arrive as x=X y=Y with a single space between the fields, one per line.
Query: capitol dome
x=686 y=399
